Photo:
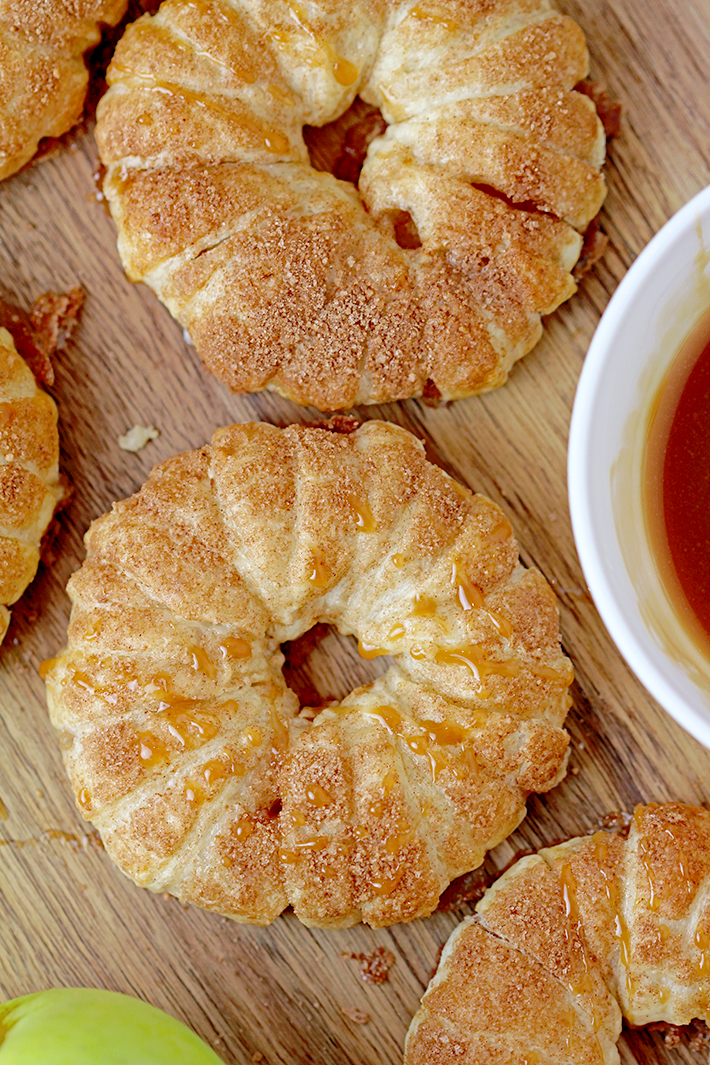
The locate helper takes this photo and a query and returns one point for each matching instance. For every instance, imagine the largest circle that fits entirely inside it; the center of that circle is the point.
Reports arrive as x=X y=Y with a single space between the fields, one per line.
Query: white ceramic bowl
x=662 y=297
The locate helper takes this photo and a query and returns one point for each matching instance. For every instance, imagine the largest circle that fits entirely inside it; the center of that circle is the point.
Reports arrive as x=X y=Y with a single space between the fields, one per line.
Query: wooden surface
x=67 y=917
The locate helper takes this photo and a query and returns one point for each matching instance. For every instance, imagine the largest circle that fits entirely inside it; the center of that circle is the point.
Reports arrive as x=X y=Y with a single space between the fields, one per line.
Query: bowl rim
x=590 y=550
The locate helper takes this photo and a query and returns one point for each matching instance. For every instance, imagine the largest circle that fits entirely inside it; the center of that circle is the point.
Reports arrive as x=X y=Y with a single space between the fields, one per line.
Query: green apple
x=77 y=1026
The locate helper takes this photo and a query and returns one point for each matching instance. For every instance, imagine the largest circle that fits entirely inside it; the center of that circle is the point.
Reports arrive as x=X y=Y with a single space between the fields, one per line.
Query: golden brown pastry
x=471 y=205
x=30 y=488
x=42 y=73
x=182 y=741
x=571 y=940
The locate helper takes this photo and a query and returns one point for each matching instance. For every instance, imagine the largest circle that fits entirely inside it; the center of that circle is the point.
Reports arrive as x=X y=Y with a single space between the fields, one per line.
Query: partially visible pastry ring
x=42 y=73
x=30 y=486
x=182 y=741
x=571 y=940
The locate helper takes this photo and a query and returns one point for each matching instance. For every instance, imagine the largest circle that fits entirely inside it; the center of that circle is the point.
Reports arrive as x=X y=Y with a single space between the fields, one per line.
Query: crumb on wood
x=431 y=396
x=341 y=423
x=138 y=437
x=467 y=888
x=54 y=317
x=375 y=966
x=355 y=1015
x=615 y=821
x=257 y=1057
x=594 y=245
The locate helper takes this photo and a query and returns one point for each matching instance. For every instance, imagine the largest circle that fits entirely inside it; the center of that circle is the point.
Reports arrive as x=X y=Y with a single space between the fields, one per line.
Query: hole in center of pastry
x=340 y=147
x=323 y=667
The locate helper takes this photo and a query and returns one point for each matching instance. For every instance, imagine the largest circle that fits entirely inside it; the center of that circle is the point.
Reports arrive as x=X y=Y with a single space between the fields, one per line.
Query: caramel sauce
x=279 y=735
x=318 y=50
x=470 y=595
x=677 y=490
x=581 y=985
x=611 y=889
x=196 y=791
x=253 y=736
x=370 y=650
x=386 y=885
x=189 y=729
x=235 y=647
x=473 y=658
x=301 y=847
x=702 y=942
x=363 y=515
x=244 y=829
x=317 y=796
x=405 y=834
x=319 y=576
x=426 y=607
x=151 y=750
x=84 y=798
x=653 y=900
x=344 y=72
x=94 y=630
x=398 y=560
x=294 y=818
x=449 y=24
x=201 y=662
x=499 y=533
x=396 y=632
x=46 y=667
x=273 y=140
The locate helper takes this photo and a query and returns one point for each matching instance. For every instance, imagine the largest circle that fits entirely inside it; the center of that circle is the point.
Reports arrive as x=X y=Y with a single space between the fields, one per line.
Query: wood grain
x=67 y=917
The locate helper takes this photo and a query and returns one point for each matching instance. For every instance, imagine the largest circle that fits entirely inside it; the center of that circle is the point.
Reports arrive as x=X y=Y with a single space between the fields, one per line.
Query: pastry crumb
x=374 y=967
x=137 y=437
x=355 y=1015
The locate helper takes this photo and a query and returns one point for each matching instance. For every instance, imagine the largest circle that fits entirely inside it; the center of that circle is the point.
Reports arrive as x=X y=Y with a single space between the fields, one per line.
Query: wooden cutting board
x=67 y=917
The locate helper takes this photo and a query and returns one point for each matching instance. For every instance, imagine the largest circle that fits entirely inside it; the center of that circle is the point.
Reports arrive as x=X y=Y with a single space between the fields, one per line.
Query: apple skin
x=78 y=1026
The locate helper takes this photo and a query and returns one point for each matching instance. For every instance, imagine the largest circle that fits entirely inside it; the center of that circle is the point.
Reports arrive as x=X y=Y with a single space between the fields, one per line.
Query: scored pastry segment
x=185 y=746
x=570 y=940
x=42 y=73
x=463 y=231
x=30 y=483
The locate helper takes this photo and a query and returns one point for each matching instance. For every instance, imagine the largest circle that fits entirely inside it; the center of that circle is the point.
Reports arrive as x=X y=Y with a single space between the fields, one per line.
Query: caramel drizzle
x=344 y=72
x=611 y=889
x=273 y=140
x=449 y=24
x=428 y=738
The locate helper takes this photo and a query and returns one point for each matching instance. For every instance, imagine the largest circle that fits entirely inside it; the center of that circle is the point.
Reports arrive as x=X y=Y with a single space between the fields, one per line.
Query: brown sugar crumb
x=45 y=330
x=374 y=967
x=356 y=1016
x=608 y=109
x=342 y=423
x=54 y=317
x=593 y=247
x=615 y=821
x=257 y=1057
x=431 y=396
